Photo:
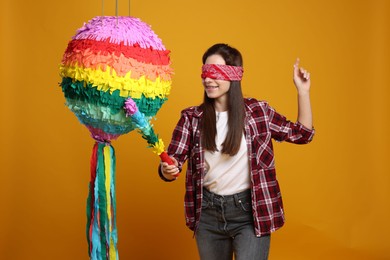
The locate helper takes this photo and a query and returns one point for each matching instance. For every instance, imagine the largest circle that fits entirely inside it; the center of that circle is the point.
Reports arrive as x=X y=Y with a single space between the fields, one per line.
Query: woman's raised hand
x=301 y=78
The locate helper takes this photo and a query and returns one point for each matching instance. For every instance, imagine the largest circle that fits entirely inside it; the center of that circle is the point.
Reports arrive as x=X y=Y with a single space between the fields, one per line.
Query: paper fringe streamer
x=146 y=130
x=101 y=204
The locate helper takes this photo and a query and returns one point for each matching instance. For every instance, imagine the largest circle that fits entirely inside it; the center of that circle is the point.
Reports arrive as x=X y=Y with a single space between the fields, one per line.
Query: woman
x=233 y=202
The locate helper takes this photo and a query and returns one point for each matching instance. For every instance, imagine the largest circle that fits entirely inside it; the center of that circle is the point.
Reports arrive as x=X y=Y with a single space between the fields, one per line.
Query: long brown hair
x=236 y=106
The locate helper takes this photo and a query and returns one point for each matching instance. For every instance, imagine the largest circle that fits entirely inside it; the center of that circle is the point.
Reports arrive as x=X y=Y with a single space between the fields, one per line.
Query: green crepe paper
x=102 y=199
x=101 y=117
x=89 y=212
x=81 y=90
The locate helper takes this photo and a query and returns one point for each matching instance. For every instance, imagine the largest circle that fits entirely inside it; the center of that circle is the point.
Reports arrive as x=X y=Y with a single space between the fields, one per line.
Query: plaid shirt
x=262 y=124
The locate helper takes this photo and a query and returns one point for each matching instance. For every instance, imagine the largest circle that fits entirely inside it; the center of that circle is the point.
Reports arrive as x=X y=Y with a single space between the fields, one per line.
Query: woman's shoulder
x=195 y=111
x=255 y=104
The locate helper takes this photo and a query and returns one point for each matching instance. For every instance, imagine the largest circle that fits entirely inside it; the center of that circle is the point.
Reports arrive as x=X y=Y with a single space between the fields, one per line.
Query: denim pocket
x=205 y=204
x=245 y=205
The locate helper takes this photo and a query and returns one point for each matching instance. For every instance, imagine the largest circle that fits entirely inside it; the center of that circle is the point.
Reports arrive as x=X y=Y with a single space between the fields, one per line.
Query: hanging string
x=116 y=11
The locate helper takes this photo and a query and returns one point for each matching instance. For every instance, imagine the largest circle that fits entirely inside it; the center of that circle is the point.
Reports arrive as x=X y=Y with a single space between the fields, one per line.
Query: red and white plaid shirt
x=262 y=124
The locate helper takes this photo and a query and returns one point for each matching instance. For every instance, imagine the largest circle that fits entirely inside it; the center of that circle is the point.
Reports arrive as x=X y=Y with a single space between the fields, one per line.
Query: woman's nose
x=207 y=80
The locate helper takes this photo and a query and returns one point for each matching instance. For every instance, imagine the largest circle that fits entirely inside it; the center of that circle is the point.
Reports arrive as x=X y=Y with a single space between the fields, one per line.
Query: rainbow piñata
x=116 y=75
x=109 y=60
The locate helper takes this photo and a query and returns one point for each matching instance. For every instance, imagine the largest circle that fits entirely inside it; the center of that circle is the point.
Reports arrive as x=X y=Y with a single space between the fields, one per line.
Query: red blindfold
x=222 y=72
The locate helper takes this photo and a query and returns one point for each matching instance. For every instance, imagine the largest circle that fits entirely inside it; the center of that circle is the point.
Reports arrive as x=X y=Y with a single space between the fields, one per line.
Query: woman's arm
x=178 y=150
x=302 y=83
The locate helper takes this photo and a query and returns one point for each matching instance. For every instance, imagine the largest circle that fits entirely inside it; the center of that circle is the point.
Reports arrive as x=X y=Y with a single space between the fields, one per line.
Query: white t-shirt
x=226 y=175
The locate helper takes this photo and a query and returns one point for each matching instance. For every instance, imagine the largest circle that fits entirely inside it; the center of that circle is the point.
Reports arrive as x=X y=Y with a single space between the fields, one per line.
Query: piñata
x=116 y=75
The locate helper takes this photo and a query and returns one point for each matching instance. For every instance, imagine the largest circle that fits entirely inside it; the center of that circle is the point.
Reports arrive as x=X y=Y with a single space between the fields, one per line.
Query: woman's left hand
x=301 y=78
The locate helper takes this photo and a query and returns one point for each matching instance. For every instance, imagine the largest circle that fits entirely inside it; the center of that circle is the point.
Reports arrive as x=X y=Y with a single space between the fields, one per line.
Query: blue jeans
x=226 y=228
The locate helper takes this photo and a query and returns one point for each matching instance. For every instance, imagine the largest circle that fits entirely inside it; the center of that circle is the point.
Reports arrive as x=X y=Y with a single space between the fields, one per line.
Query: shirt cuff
x=307 y=133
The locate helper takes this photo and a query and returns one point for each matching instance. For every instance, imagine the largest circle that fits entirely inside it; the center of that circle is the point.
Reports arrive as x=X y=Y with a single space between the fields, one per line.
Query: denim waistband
x=227 y=198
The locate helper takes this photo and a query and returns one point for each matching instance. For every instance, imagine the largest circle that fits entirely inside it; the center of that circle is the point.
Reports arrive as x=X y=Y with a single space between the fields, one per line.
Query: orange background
x=336 y=190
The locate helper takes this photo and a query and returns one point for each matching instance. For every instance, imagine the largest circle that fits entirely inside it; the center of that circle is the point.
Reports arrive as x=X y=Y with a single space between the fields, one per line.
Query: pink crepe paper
x=120 y=29
x=130 y=107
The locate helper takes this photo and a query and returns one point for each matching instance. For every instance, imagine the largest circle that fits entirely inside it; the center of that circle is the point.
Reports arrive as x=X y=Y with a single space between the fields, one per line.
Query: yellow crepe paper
x=109 y=81
x=158 y=147
x=107 y=168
